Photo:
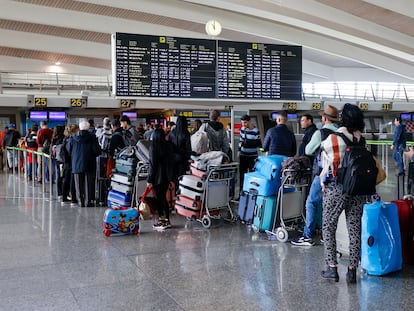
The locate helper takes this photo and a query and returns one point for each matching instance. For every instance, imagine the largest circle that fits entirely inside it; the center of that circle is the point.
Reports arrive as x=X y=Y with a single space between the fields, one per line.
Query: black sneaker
x=159 y=226
x=331 y=273
x=351 y=275
x=303 y=241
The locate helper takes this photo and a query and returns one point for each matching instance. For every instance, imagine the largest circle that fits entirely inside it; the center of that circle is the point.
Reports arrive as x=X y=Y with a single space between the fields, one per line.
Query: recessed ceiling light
x=57 y=63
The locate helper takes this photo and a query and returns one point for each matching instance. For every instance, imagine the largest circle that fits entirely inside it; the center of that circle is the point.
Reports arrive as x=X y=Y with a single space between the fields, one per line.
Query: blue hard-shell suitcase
x=264 y=213
x=118 y=199
x=121 y=221
x=269 y=166
x=247 y=203
x=381 y=251
x=258 y=182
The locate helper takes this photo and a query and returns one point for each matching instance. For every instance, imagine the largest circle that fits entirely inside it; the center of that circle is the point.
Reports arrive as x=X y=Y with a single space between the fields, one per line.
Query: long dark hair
x=181 y=132
x=158 y=149
x=352 y=118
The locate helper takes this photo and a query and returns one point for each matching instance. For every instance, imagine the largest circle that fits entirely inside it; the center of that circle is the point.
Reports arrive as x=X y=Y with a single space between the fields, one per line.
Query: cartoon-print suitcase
x=121 y=221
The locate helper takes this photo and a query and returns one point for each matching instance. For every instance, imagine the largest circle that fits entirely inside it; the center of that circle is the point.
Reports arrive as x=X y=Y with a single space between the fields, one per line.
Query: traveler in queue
x=279 y=139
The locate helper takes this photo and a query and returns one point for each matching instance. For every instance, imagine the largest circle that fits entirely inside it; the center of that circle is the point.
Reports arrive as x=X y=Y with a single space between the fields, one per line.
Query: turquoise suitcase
x=264 y=213
x=269 y=166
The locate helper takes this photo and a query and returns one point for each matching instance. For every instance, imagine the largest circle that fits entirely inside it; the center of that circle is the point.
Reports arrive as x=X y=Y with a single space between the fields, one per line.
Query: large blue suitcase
x=258 y=182
x=117 y=199
x=381 y=251
x=264 y=213
x=121 y=221
x=269 y=166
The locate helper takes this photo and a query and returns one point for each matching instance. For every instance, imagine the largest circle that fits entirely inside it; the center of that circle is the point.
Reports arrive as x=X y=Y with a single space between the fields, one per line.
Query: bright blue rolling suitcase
x=255 y=181
x=381 y=251
x=117 y=199
x=121 y=221
x=264 y=213
x=269 y=166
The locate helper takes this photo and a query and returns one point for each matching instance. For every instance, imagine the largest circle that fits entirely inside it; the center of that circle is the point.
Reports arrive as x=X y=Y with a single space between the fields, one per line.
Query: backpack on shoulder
x=358 y=171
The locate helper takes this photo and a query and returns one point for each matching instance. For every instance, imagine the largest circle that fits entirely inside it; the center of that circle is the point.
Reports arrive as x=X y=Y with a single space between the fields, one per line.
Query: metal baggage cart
x=216 y=195
x=290 y=202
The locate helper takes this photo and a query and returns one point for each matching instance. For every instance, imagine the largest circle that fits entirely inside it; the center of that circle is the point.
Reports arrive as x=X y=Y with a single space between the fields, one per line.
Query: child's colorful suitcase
x=188 y=207
x=406 y=219
x=121 y=221
x=269 y=166
x=191 y=186
x=258 y=182
x=380 y=239
x=247 y=203
x=264 y=213
x=118 y=199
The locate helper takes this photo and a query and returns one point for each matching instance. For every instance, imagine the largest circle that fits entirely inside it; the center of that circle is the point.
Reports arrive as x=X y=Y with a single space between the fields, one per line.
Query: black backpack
x=358 y=171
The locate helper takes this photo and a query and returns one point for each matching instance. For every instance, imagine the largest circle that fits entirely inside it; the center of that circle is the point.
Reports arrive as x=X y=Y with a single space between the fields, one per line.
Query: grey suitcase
x=192 y=187
x=142 y=150
x=121 y=187
x=123 y=178
x=217 y=194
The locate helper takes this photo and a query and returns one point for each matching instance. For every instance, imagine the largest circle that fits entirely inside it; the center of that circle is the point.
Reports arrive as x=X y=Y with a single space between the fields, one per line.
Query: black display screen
x=162 y=66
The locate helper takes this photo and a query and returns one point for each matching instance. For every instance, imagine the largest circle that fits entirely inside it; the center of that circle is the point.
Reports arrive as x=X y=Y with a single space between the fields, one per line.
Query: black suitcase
x=400 y=186
x=102 y=182
x=410 y=179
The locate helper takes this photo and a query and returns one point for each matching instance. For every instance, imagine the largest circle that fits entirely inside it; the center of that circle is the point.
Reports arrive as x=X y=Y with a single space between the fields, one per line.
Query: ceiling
x=370 y=40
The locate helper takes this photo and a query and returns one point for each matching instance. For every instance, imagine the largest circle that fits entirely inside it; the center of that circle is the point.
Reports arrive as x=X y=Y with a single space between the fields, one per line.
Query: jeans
x=313 y=202
x=397 y=156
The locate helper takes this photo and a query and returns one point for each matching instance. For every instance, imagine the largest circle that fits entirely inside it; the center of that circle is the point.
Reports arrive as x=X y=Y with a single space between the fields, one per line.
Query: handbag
x=381 y=175
x=144 y=210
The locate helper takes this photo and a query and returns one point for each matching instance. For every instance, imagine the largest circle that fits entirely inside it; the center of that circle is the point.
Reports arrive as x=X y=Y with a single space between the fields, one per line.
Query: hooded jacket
x=217 y=136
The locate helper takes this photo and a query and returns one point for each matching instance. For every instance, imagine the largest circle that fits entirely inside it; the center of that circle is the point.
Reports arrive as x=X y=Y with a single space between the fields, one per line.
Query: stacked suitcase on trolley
x=127 y=181
x=257 y=203
x=207 y=190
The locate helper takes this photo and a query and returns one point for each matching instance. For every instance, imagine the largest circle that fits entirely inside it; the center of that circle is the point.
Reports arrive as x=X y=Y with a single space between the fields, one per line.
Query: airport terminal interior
x=153 y=60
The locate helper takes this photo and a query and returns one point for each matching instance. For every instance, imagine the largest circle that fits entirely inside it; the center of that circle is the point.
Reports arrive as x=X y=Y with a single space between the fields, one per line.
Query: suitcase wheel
x=206 y=222
x=107 y=232
x=282 y=234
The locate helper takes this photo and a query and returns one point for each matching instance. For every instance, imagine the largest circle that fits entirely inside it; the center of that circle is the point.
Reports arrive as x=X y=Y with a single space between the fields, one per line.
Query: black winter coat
x=83 y=148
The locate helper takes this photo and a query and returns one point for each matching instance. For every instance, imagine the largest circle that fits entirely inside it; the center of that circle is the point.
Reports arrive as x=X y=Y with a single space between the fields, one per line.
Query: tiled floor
x=55 y=257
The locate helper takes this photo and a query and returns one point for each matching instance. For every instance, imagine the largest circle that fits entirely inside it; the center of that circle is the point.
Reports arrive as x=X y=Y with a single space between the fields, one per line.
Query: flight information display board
x=162 y=66
x=259 y=71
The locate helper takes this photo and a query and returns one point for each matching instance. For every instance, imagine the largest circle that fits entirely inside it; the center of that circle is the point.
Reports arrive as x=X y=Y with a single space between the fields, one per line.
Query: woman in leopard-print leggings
x=334 y=201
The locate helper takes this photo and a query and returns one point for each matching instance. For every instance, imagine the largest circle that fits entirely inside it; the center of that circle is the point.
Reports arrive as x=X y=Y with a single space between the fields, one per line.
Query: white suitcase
x=192 y=187
x=342 y=237
x=123 y=179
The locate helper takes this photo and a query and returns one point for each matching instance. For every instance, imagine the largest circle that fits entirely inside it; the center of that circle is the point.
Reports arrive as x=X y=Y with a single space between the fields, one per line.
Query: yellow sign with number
x=40 y=102
x=316 y=106
x=387 y=106
x=126 y=103
x=76 y=102
x=363 y=106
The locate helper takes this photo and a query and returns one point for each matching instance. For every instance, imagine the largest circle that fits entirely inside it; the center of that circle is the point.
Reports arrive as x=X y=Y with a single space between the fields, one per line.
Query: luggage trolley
x=216 y=194
x=290 y=202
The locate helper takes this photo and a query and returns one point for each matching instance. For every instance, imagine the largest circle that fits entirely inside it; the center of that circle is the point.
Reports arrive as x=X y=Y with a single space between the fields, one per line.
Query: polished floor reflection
x=55 y=257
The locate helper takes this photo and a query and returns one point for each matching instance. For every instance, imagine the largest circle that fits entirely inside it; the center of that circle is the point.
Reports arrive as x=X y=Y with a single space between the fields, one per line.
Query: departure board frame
x=175 y=67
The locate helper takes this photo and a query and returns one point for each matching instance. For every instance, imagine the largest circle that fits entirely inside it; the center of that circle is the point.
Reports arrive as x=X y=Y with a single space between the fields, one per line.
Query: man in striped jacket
x=249 y=143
